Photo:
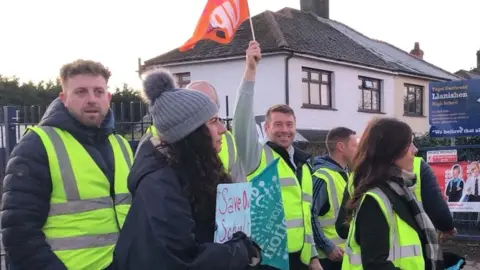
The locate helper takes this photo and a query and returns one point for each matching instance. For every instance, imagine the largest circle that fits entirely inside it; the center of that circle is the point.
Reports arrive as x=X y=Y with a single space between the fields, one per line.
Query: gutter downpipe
x=287 y=79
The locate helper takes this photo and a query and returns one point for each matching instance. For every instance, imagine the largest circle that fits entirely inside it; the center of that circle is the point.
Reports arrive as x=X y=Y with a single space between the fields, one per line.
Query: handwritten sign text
x=233 y=210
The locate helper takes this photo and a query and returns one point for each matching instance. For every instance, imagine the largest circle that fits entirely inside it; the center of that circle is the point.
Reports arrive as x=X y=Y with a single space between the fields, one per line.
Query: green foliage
x=13 y=92
x=464 y=152
x=125 y=94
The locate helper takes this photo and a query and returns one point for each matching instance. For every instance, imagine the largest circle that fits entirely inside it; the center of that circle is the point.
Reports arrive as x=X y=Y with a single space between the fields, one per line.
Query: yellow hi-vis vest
x=417 y=188
x=405 y=245
x=297 y=202
x=335 y=188
x=228 y=155
x=84 y=221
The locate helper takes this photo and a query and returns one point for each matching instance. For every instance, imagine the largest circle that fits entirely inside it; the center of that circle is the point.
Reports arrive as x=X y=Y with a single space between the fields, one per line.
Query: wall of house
x=345 y=96
x=227 y=76
x=419 y=124
x=270 y=90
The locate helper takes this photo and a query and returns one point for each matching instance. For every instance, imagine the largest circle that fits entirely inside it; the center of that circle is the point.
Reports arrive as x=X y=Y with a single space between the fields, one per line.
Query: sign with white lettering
x=233 y=211
x=454 y=108
x=269 y=229
x=440 y=156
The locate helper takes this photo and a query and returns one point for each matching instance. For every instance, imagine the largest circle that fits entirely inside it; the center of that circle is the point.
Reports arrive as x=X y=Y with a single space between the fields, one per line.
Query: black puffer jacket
x=160 y=231
x=27 y=187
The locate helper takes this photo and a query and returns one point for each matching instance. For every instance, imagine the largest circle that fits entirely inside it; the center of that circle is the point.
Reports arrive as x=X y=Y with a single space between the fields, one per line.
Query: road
x=472 y=266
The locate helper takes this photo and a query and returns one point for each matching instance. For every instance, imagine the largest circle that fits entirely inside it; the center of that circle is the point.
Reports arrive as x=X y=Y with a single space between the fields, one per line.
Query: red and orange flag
x=219 y=22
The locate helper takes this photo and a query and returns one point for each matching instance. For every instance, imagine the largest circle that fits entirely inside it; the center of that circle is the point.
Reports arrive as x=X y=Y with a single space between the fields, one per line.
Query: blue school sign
x=454 y=108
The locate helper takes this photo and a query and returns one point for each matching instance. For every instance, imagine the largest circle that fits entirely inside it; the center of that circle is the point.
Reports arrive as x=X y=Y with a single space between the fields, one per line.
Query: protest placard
x=269 y=229
x=233 y=211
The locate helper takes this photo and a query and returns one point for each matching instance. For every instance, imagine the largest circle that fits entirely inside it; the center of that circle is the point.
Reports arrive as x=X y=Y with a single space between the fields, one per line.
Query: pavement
x=471 y=265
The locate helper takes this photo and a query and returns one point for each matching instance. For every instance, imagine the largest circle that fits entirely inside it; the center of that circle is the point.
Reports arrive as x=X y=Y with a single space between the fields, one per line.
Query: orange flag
x=219 y=22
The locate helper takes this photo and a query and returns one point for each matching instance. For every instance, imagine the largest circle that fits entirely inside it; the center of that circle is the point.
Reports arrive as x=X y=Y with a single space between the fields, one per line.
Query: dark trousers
x=330 y=265
x=474 y=198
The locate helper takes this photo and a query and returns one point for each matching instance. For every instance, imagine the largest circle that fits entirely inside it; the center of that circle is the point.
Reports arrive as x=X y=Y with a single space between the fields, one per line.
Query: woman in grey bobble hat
x=171 y=222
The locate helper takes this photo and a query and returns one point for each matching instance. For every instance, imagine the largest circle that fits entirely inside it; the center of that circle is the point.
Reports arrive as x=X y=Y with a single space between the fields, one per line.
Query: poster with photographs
x=460 y=182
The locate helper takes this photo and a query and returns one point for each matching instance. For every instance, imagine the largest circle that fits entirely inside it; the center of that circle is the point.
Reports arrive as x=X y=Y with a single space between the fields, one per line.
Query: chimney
x=319 y=7
x=478 y=60
x=417 y=51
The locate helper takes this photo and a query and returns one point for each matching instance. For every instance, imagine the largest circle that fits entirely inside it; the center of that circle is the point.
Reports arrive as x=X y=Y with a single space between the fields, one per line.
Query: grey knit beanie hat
x=176 y=112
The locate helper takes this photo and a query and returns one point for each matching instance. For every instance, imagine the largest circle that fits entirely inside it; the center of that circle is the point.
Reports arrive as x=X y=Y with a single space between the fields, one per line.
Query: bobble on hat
x=175 y=112
x=157 y=83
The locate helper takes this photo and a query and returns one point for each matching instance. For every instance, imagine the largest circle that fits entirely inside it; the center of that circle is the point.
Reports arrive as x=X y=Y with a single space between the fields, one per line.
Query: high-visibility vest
x=84 y=220
x=297 y=201
x=335 y=185
x=417 y=188
x=405 y=245
x=228 y=155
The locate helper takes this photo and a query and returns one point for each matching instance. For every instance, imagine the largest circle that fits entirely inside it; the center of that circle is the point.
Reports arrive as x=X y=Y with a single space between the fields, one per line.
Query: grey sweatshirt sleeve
x=249 y=148
x=320 y=198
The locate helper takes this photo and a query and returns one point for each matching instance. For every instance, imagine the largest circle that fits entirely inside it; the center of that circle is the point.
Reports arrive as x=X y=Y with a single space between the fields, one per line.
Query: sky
x=39 y=36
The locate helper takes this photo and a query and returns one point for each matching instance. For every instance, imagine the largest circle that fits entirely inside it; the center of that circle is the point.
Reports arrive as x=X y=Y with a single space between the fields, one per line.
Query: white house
x=313 y=64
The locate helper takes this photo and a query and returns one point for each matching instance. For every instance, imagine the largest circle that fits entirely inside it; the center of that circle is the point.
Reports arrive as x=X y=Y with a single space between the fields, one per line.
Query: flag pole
x=251 y=27
x=251 y=23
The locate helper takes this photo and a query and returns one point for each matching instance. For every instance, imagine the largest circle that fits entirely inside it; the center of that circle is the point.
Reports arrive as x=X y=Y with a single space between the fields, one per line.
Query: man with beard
x=65 y=192
x=330 y=179
x=293 y=169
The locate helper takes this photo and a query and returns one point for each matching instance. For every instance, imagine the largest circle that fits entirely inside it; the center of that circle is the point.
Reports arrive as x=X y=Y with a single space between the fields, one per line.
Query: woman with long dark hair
x=171 y=222
x=388 y=229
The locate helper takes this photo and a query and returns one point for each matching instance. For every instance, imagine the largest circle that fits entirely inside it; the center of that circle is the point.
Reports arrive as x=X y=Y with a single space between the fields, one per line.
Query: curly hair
x=197 y=159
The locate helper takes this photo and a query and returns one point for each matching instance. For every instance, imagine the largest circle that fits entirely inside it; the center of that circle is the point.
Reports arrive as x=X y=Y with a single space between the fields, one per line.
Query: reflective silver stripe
x=80 y=242
x=313 y=250
x=327 y=222
x=80 y=206
x=66 y=170
x=307 y=197
x=337 y=241
x=288 y=182
x=123 y=198
x=333 y=194
x=268 y=153
x=294 y=223
x=309 y=239
x=124 y=150
x=395 y=254
x=396 y=251
x=230 y=150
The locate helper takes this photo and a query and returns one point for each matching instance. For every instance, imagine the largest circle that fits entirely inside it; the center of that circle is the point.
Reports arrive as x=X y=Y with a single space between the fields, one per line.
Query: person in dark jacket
x=433 y=204
x=83 y=111
x=171 y=222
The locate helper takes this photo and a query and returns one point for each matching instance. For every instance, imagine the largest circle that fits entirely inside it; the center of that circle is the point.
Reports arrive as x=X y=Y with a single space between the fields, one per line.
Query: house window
x=316 y=88
x=413 y=100
x=183 y=79
x=369 y=94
